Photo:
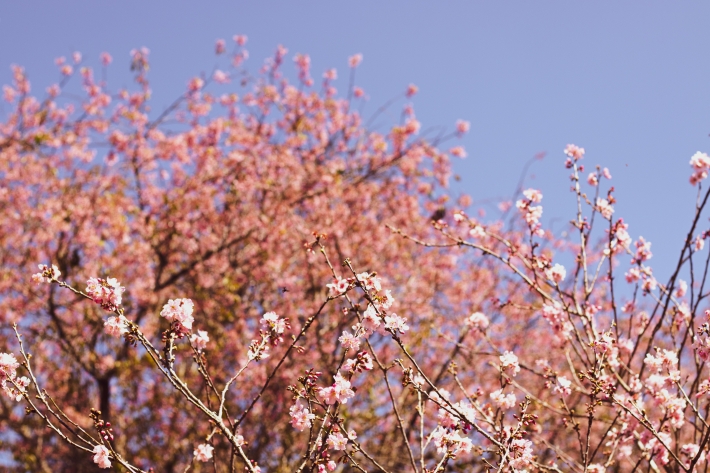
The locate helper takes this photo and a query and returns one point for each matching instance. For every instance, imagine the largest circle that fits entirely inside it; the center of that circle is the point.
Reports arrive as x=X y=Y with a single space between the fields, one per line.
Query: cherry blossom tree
x=256 y=279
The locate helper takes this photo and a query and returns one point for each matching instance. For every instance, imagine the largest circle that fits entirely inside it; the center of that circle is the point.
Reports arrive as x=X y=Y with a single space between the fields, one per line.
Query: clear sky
x=629 y=81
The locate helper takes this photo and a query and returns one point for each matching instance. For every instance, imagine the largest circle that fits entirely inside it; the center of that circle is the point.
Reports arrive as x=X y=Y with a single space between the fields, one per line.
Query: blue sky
x=628 y=81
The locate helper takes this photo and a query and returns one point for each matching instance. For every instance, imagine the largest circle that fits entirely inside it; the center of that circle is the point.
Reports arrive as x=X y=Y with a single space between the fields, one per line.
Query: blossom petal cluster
x=179 y=312
x=101 y=456
x=509 y=363
x=199 y=340
x=13 y=386
x=531 y=213
x=478 y=321
x=105 y=292
x=116 y=326
x=700 y=162
x=340 y=391
x=46 y=274
x=450 y=442
x=203 y=452
x=301 y=417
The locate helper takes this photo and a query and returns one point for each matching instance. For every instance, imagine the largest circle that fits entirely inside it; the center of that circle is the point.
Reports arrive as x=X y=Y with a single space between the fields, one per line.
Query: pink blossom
x=520 y=453
x=139 y=59
x=533 y=215
x=370 y=319
x=633 y=275
x=504 y=401
x=195 y=84
x=339 y=287
x=477 y=232
x=46 y=274
x=337 y=441
x=697 y=177
x=271 y=320
x=699 y=243
x=258 y=351
x=533 y=195
x=330 y=74
x=396 y=323
x=462 y=127
x=349 y=342
x=606 y=173
x=116 y=326
x=106 y=58
x=592 y=179
x=556 y=274
x=8 y=366
x=16 y=388
x=384 y=301
x=604 y=343
x=349 y=365
x=622 y=235
x=605 y=208
x=703 y=388
x=340 y=391
x=219 y=46
x=667 y=359
x=101 y=457
x=509 y=362
x=179 y=311
x=240 y=39
x=301 y=417
x=675 y=410
x=477 y=320
x=220 y=77
x=203 y=452
x=690 y=451
x=355 y=60
x=412 y=90
x=450 y=442
x=328 y=395
x=563 y=386
x=105 y=292
x=458 y=151
x=363 y=362
x=553 y=311
x=643 y=250
x=199 y=340
x=412 y=126
x=700 y=162
x=370 y=281
x=625 y=345
x=9 y=93
x=575 y=152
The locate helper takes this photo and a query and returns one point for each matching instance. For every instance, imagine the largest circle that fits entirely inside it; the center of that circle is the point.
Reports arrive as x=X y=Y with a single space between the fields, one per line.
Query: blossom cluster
x=105 y=292
x=700 y=162
x=531 y=213
x=46 y=274
x=102 y=456
x=179 y=313
x=14 y=387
